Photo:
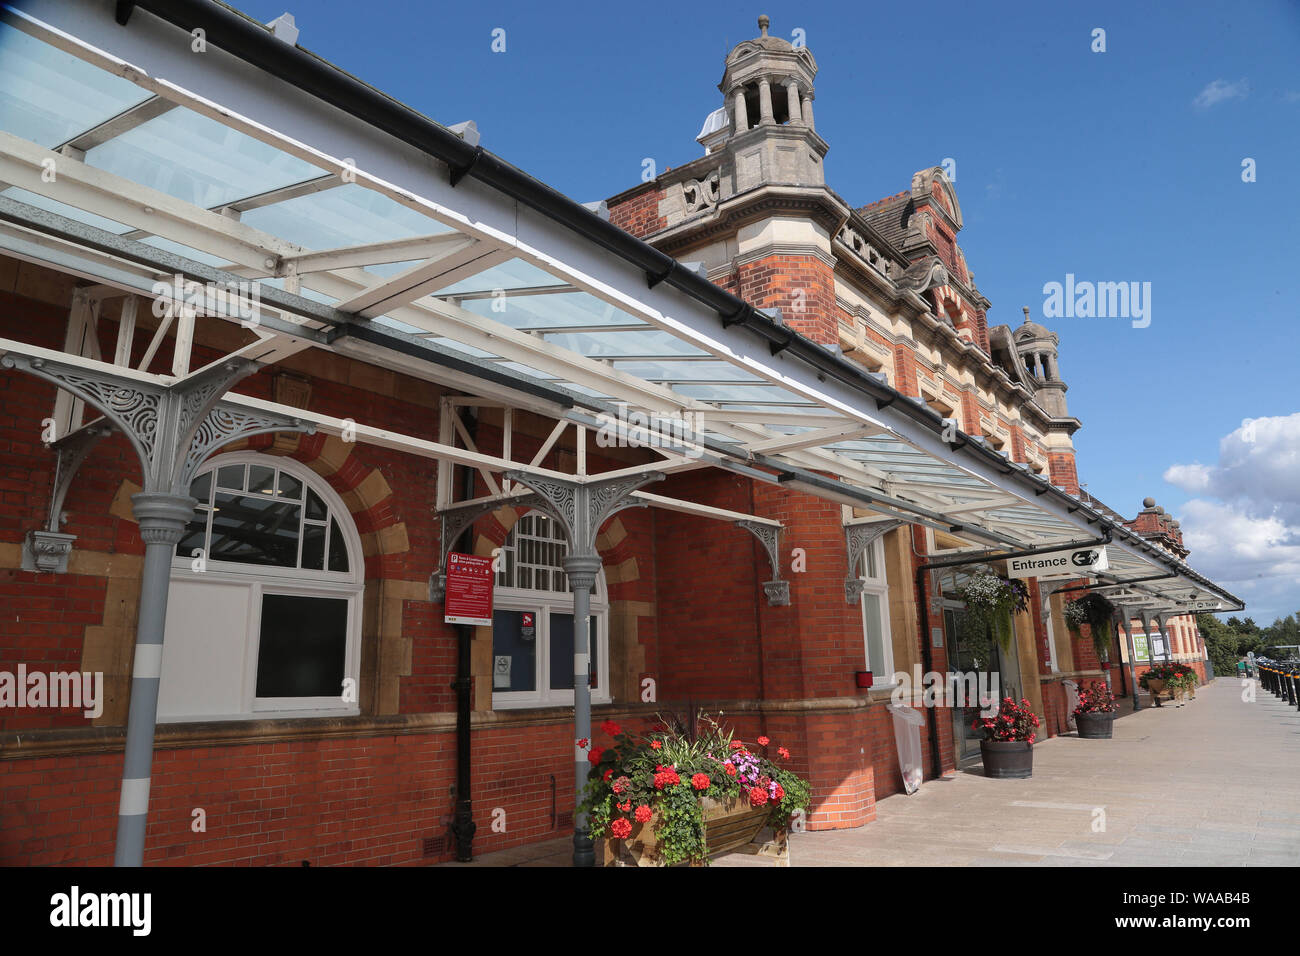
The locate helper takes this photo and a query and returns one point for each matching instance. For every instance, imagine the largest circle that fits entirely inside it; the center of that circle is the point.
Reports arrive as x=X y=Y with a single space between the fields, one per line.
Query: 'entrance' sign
x=469 y=590
x=1077 y=563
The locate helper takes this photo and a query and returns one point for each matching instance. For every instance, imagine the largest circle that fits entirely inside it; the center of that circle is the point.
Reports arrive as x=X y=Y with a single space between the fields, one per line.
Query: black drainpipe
x=924 y=604
x=463 y=826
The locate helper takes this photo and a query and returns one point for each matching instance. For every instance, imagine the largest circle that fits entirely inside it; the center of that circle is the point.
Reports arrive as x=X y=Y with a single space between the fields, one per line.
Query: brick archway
x=386 y=651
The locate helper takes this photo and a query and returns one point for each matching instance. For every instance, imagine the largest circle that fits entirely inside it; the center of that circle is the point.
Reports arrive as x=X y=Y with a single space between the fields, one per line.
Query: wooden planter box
x=730 y=826
x=1156 y=688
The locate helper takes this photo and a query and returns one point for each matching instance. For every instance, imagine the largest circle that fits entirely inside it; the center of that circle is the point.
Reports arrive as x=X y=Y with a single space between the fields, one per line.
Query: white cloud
x=1193 y=478
x=1219 y=91
x=1244 y=527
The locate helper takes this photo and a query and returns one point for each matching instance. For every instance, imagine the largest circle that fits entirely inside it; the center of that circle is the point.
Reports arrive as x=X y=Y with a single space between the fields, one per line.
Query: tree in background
x=1221 y=642
x=1228 y=641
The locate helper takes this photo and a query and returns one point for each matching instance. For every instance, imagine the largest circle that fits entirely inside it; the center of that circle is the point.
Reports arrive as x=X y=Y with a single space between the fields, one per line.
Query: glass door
x=963 y=663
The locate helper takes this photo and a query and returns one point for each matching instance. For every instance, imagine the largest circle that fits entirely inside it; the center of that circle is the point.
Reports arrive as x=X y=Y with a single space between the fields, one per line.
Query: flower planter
x=728 y=825
x=1156 y=686
x=1095 y=726
x=1007 y=759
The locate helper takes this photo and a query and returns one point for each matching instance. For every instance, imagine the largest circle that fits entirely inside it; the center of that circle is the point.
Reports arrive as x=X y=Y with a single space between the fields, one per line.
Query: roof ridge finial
x=1026 y=309
x=764 y=21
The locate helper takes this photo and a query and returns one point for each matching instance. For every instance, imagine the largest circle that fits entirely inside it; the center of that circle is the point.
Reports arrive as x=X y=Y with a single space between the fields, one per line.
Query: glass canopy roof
x=362 y=249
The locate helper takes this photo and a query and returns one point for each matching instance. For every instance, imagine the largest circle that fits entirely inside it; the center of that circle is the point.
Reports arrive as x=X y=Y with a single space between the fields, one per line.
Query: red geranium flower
x=611 y=728
x=642 y=814
x=666 y=778
x=763 y=741
x=737 y=745
x=625 y=806
x=700 y=781
x=609 y=773
x=757 y=796
x=620 y=829
x=594 y=754
x=780 y=793
x=656 y=745
x=730 y=768
x=784 y=754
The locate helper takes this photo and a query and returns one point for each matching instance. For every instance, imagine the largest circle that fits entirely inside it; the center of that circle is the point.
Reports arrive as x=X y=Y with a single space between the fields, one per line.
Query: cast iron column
x=173 y=428
x=582 y=506
x=162 y=521
x=582 y=571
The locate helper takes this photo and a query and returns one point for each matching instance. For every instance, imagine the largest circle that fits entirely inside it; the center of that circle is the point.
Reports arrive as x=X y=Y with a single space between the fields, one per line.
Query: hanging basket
x=990 y=600
x=1098 y=613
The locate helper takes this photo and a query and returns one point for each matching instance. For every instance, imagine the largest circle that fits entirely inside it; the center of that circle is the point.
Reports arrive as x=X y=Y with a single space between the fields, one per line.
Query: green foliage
x=1098 y=613
x=1220 y=644
x=990 y=601
x=1174 y=675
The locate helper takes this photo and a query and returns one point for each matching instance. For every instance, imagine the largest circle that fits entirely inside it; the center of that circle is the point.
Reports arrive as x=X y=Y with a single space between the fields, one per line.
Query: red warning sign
x=469 y=590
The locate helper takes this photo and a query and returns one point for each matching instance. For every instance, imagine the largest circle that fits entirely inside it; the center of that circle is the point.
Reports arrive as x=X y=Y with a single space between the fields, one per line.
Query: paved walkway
x=1213 y=783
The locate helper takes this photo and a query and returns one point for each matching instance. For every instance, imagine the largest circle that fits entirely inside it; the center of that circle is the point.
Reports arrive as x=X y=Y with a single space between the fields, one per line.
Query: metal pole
x=162 y=521
x=582 y=571
x=1132 y=658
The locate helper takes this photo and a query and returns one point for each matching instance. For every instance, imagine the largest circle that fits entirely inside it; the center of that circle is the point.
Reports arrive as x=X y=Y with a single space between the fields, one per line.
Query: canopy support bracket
x=769 y=536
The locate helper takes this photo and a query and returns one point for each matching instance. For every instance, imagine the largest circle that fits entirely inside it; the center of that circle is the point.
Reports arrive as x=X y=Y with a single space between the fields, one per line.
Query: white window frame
x=294 y=582
x=543 y=604
x=877 y=585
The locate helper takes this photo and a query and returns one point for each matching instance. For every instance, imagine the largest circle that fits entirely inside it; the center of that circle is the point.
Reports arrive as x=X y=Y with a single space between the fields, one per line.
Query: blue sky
x=1117 y=166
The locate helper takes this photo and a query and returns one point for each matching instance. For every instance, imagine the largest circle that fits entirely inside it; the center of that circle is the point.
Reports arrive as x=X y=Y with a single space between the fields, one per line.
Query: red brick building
x=239 y=519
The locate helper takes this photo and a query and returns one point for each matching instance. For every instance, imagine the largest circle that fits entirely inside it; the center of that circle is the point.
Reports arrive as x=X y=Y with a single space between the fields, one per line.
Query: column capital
x=162 y=517
x=582 y=570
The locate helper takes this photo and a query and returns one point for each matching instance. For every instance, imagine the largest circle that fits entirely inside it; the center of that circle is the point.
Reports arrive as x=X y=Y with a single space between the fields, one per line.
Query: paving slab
x=1212 y=783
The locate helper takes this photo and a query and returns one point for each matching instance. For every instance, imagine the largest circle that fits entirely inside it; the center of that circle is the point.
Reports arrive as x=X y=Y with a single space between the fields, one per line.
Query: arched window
x=532 y=621
x=264 y=613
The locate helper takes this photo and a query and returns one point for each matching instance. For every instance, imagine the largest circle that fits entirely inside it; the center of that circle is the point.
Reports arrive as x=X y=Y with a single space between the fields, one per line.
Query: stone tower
x=1037 y=347
x=766 y=123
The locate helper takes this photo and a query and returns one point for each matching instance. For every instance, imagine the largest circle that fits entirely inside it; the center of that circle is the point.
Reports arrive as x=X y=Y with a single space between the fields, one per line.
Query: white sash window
x=264 y=614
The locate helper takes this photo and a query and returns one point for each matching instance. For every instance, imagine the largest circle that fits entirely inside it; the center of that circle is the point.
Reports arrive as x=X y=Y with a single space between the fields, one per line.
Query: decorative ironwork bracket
x=69 y=453
x=769 y=536
x=857 y=538
x=582 y=507
x=452 y=522
x=173 y=429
